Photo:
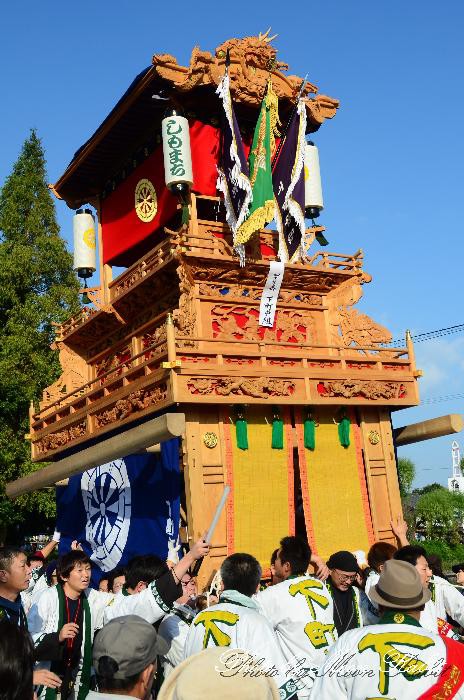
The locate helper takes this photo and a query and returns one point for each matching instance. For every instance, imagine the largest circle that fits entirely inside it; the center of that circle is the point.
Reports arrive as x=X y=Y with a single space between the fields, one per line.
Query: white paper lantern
x=85 y=259
x=176 y=150
x=313 y=187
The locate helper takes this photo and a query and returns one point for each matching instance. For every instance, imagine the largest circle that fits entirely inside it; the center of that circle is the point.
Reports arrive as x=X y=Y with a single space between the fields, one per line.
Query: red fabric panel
x=122 y=229
x=125 y=236
x=204 y=145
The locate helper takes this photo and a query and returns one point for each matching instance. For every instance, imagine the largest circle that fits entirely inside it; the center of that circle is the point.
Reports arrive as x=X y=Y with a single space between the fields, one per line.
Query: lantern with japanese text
x=177 y=155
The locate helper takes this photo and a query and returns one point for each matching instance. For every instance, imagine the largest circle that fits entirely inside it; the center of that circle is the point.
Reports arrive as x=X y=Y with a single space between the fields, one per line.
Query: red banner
x=128 y=232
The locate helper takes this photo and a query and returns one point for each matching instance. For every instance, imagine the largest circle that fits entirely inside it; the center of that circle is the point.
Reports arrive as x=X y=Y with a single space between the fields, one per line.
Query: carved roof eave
x=247 y=82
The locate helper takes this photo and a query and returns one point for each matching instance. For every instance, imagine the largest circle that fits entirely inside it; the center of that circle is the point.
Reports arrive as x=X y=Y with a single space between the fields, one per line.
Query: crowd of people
x=382 y=625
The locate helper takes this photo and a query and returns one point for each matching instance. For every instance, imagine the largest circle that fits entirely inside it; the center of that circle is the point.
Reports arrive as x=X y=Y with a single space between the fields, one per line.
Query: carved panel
x=153 y=337
x=185 y=317
x=259 y=387
x=241 y=323
x=350 y=389
x=135 y=402
x=118 y=361
x=60 y=438
x=237 y=291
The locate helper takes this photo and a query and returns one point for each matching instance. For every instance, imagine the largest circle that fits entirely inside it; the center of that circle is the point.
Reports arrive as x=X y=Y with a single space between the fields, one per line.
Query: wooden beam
x=428 y=429
x=158 y=429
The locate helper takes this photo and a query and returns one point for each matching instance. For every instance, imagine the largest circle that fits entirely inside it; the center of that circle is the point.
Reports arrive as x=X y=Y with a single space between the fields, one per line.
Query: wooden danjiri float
x=292 y=409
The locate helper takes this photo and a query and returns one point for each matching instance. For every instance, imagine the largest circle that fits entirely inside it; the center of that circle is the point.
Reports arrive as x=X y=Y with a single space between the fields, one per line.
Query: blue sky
x=391 y=160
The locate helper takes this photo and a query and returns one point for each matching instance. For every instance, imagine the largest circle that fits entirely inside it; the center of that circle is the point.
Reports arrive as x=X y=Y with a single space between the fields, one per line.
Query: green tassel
x=185 y=215
x=241 y=434
x=344 y=432
x=309 y=434
x=277 y=434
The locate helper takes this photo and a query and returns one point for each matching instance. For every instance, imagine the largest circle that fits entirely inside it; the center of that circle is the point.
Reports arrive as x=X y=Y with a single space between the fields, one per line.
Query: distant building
x=456 y=482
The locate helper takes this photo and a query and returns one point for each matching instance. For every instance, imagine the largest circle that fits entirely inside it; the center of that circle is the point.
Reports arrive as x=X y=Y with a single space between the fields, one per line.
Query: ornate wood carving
x=350 y=389
x=153 y=337
x=241 y=323
x=119 y=361
x=61 y=438
x=185 y=317
x=259 y=387
x=253 y=59
x=136 y=401
x=236 y=291
x=349 y=327
x=73 y=376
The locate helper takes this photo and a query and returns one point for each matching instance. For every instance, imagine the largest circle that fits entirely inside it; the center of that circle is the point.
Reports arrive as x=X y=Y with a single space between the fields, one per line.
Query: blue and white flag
x=126 y=507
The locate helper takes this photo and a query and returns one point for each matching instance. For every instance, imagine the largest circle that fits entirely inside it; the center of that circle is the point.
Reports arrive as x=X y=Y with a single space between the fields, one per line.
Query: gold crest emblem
x=210 y=440
x=89 y=238
x=146 y=201
x=398 y=618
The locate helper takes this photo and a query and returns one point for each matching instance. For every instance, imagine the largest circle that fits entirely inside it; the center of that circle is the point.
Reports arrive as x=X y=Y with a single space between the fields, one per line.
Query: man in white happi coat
x=442 y=601
x=300 y=609
x=152 y=587
x=397 y=658
x=174 y=627
x=236 y=622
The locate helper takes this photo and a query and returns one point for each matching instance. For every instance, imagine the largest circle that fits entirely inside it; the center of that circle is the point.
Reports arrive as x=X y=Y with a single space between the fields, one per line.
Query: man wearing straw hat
x=397 y=658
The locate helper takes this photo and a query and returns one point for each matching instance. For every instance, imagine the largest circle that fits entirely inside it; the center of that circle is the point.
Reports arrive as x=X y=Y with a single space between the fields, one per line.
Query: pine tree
x=37 y=287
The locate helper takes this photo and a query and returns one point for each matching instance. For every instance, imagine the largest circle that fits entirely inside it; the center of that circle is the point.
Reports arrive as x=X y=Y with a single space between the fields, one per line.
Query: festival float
x=237 y=335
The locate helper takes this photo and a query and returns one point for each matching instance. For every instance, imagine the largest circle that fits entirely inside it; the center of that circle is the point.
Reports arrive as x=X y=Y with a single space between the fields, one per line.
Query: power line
x=443 y=399
x=431 y=335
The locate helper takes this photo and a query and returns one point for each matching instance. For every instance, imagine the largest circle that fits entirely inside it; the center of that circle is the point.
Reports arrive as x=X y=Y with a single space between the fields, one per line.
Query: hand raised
x=46 y=678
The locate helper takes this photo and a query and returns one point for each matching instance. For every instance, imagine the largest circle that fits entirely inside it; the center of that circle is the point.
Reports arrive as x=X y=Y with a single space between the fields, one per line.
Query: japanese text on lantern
x=176 y=162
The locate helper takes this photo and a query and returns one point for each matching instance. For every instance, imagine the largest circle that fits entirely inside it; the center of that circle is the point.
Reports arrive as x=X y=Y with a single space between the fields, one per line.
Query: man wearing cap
x=124 y=658
x=350 y=604
x=300 y=609
x=397 y=658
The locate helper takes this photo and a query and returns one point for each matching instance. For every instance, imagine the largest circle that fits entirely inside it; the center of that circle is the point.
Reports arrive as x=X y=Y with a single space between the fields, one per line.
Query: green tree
x=37 y=287
x=406 y=474
x=440 y=514
x=461 y=465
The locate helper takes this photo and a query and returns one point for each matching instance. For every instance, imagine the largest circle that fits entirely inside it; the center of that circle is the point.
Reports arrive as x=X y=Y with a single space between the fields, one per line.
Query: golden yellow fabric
x=260 y=489
x=335 y=492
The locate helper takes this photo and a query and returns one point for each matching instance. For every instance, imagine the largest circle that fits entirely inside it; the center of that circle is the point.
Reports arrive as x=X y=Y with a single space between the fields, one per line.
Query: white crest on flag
x=106 y=493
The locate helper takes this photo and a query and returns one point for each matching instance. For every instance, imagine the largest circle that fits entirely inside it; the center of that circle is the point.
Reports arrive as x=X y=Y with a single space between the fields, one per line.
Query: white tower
x=456 y=483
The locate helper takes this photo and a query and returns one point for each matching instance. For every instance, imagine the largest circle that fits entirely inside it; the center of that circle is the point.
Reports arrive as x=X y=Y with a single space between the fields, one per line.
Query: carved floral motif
x=136 y=401
x=242 y=323
x=259 y=387
x=350 y=389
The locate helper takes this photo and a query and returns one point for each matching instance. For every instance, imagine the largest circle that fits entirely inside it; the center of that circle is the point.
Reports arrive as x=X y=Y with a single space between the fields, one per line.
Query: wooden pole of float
x=428 y=429
x=156 y=430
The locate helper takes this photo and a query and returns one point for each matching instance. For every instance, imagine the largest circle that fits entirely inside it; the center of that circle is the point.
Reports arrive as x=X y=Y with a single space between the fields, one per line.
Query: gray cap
x=129 y=644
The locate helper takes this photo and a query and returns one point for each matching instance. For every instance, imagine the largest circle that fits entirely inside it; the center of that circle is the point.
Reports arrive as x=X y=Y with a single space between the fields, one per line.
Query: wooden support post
x=428 y=429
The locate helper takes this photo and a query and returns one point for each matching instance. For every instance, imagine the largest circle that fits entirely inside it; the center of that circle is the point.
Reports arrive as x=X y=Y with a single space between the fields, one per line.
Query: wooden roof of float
x=133 y=121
